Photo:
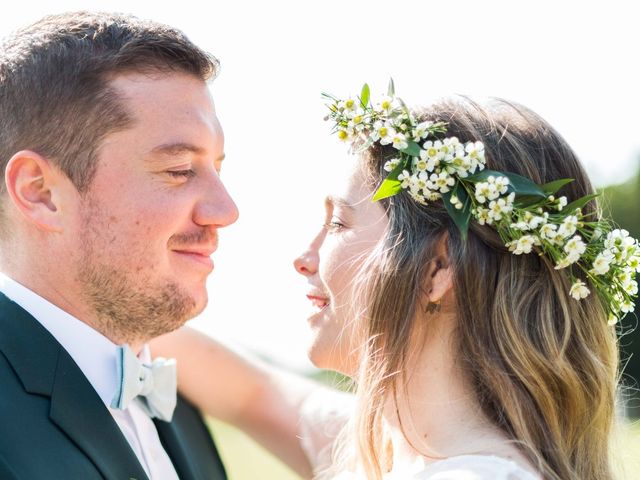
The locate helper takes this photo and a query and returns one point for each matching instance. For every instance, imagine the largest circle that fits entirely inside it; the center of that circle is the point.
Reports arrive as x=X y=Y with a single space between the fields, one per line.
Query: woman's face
x=352 y=227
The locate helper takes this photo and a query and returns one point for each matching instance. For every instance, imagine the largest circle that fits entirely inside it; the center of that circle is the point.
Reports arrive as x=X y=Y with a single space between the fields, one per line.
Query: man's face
x=149 y=221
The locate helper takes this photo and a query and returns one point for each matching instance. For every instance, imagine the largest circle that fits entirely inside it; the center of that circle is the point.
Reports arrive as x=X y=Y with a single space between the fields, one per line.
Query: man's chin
x=200 y=301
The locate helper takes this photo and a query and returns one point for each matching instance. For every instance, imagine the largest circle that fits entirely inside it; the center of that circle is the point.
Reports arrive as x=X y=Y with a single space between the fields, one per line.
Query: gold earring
x=433 y=307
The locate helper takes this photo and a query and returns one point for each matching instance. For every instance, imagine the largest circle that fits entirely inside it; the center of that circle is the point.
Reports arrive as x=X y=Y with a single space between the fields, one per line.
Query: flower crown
x=528 y=217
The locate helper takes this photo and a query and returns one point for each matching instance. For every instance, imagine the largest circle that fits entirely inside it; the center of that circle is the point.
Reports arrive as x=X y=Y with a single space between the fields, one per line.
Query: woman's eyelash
x=334 y=226
x=181 y=173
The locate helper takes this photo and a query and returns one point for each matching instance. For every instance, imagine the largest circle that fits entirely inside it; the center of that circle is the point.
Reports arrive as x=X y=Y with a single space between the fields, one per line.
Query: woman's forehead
x=345 y=178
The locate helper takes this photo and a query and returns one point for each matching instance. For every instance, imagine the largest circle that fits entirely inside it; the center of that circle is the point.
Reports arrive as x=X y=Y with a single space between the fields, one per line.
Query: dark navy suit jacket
x=53 y=424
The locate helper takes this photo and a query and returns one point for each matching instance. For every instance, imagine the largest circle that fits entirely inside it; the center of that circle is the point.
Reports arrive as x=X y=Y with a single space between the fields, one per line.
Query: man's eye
x=181 y=173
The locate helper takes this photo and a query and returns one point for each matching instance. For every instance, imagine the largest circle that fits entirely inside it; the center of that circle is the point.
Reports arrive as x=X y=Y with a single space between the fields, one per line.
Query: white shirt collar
x=93 y=352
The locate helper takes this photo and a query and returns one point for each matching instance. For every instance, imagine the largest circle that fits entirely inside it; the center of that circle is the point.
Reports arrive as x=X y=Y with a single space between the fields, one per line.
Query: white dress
x=325 y=412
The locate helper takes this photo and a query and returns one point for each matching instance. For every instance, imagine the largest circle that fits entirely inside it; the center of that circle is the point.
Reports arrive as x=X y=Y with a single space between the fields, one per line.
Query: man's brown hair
x=55 y=97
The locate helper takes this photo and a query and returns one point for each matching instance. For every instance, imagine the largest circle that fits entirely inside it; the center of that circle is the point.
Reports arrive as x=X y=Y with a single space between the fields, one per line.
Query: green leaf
x=328 y=96
x=391 y=91
x=581 y=202
x=460 y=217
x=552 y=187
x=390 y=186
x=522 y=186
x=364 y=96
x=523 y=201
x=413 y=149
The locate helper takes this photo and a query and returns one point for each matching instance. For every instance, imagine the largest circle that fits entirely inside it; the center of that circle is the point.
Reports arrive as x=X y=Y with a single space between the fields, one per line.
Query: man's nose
x=217 y=208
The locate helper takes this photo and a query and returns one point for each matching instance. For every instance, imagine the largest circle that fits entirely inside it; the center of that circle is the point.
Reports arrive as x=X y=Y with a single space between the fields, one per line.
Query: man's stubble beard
x=127 y=308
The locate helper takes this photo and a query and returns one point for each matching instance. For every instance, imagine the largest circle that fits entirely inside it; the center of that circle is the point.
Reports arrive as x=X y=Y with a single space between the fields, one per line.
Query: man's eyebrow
x=176 y=148
x=335 y=200
x=180 y=148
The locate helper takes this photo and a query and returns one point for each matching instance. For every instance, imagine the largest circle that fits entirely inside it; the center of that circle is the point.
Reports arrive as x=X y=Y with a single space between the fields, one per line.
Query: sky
x=574 y=63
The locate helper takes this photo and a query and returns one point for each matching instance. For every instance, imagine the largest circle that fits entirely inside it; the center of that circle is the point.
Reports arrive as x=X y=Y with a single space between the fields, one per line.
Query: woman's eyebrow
x=339 y=201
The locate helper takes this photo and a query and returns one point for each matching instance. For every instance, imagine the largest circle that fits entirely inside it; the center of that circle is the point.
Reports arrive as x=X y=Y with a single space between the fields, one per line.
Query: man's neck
x=66 y=297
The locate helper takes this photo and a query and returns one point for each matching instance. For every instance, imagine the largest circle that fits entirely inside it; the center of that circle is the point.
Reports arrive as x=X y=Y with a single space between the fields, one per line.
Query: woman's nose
x=307 y=263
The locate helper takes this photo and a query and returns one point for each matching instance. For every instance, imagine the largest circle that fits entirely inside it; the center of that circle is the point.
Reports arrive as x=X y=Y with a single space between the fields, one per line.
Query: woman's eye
x=334 y=226
x=181 y=173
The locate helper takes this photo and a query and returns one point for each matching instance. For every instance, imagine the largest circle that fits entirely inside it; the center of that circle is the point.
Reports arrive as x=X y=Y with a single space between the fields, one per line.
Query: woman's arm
x=260 y=399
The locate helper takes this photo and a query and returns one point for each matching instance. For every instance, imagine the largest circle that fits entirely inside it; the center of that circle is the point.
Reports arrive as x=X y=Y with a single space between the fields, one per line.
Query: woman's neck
x=438 y=416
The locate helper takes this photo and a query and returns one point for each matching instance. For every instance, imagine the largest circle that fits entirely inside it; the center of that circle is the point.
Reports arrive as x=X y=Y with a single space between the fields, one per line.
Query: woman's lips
x=318 y=301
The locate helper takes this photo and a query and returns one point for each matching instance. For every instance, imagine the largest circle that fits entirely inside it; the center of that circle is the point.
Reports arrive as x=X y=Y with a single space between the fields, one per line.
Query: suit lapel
x=45 y=368
x=190 y=445
x=175 y=448
x=79 y=412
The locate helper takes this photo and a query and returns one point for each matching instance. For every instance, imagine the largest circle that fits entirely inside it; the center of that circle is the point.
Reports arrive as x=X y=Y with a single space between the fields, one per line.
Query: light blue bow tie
x=155 y=383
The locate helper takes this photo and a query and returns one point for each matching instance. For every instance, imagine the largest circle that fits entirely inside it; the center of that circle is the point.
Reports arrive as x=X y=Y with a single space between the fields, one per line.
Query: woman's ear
x=31 y=184
x=439 y=272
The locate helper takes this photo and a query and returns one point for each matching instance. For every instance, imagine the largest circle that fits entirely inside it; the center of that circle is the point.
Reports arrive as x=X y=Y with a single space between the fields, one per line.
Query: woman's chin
x=325 y=360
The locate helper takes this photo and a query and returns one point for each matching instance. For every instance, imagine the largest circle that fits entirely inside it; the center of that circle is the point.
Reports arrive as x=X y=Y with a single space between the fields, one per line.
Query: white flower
x=432 y=149
x=475 y=151
x=391 y=164
x=626 y=306
x=448 y=148
x=356 y=121
x=523 y=245
x=418 y=181
x=568 y=226
x=562 y=202
x=629 y=285
x=418 y=197
x=482 y=215
x=455 y=201
x=530 y=222
x=385 y=105
x=383 y=132
x=432 y=196
x=548 y=231
x=347 y=105
x=536 y=221
x=498 y=208
x=485 y=191
x=399 y=141
x=458 y=165
x=617 y=239
x=405 y=179
x=430 y=162
x=523 y=226
x=631 y=288
x=343 y=135
x=501 y=184
x=421 y=131
x=575 y=246
x=562 y=263
x=579 y=290
x=442 y=181
x=602 y=263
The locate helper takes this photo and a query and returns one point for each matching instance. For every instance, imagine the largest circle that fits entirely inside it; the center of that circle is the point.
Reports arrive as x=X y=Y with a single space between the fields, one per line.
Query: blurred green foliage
x=622 y=202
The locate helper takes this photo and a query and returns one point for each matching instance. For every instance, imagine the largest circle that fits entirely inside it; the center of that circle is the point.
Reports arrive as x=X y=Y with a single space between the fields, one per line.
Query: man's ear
x=31 y=184
x=440 y=272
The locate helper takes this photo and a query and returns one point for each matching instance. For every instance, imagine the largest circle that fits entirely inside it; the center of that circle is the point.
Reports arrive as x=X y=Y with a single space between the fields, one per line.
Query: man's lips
x=200 y=255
